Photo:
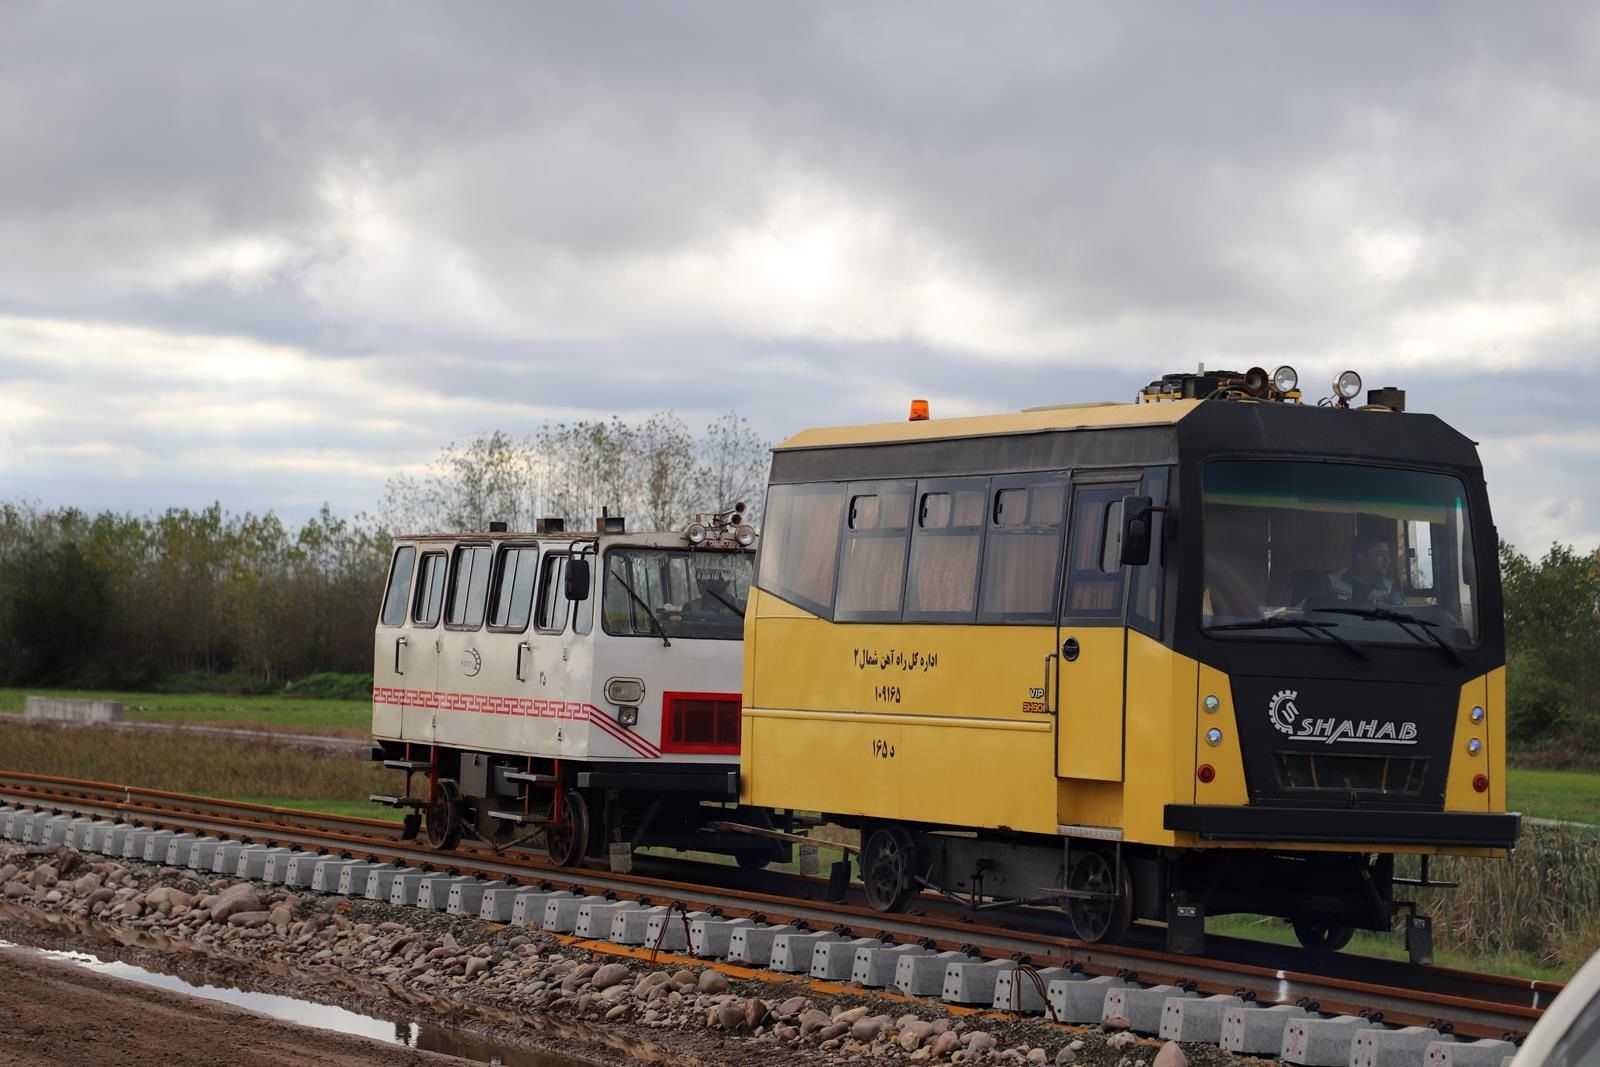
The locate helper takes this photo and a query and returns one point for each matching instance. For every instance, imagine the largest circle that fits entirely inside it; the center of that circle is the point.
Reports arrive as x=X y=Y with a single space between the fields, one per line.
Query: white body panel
x=460 y=688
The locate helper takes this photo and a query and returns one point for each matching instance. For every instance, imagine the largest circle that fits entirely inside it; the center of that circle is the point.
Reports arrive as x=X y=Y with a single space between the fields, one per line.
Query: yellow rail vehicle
x=1213 y=651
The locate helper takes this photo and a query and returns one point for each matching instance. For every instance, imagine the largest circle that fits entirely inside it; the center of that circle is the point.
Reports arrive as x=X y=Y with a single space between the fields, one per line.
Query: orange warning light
x=919 y=411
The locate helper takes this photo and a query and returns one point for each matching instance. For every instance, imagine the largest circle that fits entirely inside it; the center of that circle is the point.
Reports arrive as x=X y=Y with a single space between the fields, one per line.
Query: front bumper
x=1354 y=826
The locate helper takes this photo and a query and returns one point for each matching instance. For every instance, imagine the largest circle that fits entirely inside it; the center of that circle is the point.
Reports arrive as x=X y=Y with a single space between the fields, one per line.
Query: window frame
x=502 y=552
x=1157 y=485
x=417 y=589
x=1122 y=484
x=388 y=588
x=771 y=541
x=547 y=560
x=1027 y=483
x=875 y=489
x=452 y=574
x=931 y=486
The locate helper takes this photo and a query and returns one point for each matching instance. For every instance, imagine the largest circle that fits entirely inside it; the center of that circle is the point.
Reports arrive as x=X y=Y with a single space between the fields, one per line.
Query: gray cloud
x=433 y=222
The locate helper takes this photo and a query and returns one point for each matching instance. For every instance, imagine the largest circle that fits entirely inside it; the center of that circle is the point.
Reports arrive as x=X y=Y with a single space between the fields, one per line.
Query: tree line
x=131 y=601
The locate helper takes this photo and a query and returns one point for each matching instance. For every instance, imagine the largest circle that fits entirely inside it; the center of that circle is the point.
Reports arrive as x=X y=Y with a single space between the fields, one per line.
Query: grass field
x=336 y=718
x=1570 y=796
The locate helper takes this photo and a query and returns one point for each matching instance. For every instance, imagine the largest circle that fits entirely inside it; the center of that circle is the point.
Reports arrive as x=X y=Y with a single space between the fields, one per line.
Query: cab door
x=1091 y=639
x=418 y=655
x=389 y=642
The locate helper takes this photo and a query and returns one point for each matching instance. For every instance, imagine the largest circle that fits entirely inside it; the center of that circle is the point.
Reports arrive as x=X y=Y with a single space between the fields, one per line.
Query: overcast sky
x=271 y=254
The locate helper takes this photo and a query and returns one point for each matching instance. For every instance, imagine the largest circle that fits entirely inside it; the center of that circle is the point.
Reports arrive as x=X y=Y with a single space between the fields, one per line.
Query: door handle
x=1048 y=710
x=399 y=643
x=1069 y=649
x=522 y=646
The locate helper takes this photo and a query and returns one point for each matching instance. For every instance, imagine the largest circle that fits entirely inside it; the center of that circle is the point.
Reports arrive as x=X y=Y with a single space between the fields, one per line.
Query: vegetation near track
x=287 y=713
x=262 y=771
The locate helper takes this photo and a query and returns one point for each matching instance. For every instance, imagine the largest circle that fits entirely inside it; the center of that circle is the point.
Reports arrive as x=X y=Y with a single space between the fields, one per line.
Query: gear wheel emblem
x=1283 y=711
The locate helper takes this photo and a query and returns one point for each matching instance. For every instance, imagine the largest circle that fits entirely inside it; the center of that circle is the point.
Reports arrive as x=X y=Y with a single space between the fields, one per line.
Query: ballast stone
x=923 y=975
x=1319 y=1042
x=1485 y=1053
x=1196 y=1018
x=1404 y=1047
x=1142 y=1007
x=1015 y=990
x=1082 y=1002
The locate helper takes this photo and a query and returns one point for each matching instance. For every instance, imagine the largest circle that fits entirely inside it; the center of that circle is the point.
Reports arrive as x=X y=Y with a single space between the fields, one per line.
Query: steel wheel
x=888 y=860
x=567 y=840
x=1319 y=935
x=1102 y=918
x=444 y=814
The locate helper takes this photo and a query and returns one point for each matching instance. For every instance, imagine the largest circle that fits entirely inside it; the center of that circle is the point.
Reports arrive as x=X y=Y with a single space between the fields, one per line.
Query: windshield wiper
x=1279 y=622
x=730 y=605
x=1400 y=619
x=661 y=633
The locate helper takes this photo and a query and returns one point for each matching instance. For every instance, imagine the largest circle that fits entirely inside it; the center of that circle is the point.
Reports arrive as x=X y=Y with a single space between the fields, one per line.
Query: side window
x=552 y=614
x=469 y=586
x=399 y=592
x=1144 y=603
x=515 y=576
x=872 y=559
x=1094 y=570
x=800 y=544
x=429 y=601
x=1022 y=559
x=946 y=548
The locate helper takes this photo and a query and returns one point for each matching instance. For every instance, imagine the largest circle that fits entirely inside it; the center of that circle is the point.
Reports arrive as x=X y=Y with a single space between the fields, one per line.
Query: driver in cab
x=1368 y=581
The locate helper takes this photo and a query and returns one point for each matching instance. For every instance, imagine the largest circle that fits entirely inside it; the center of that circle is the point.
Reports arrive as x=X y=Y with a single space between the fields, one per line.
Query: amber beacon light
x=919 y=411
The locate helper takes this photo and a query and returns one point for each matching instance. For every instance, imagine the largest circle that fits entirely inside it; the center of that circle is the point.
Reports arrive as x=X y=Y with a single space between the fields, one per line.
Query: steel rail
x=1512 y=1008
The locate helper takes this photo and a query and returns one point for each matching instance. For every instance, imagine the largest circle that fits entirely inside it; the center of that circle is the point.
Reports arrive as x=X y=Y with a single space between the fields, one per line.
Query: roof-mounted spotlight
x=1285 y=380
x=1347 y=385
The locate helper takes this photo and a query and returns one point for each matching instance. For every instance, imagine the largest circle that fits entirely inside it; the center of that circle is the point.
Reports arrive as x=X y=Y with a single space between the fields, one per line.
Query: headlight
x=624 y=690
x=628 y=715
x=1213 y=736
x=745 y=535
x=1285 y=380
x=1348 y=384
x=695 y=532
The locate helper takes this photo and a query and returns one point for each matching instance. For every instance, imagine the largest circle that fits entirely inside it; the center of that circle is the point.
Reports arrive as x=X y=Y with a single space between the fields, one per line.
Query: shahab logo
x=1283 y=711
x=1286 y=719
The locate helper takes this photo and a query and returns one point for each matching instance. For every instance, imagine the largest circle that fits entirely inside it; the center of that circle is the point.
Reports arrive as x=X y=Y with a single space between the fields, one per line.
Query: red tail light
x=700 y=722
x=1480 y=783
x=1206 y=773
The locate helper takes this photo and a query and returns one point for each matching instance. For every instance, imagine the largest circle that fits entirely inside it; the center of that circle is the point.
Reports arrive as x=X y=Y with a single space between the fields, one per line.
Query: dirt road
x=54 y=1013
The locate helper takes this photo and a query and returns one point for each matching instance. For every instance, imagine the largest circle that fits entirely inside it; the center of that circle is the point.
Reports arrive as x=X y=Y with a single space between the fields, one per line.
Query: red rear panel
x=700 y=722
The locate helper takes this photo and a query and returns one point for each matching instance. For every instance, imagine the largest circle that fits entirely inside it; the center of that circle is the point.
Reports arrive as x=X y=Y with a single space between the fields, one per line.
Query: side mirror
x=577 y=579
x=1136 y=514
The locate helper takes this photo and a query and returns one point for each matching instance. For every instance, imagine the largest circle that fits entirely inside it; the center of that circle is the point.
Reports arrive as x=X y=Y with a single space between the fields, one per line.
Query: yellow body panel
x=1090 y=708
x=1160 y=720
x=1229 y=786
x=1039 y=420
x=1458 y=792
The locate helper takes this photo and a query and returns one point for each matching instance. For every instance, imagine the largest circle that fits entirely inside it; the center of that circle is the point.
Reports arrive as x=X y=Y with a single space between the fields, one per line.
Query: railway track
x=1469 y=1005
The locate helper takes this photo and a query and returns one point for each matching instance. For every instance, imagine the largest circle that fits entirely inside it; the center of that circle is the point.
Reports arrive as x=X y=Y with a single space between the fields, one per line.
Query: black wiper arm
x=1400 y=619
x=1324 y=629
x=637 y=599
x=730 y=605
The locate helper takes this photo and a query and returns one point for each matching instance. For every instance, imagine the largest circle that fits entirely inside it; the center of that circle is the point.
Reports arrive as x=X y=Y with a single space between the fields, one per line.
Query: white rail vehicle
x=580 y=688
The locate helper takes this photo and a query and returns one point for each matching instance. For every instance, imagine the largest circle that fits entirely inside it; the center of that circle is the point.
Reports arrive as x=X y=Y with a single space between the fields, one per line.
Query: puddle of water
x=424 y=1036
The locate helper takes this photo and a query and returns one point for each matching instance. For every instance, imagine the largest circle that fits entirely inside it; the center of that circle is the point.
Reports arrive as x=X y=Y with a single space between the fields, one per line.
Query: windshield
x=1339 y=544
x=687 y=593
